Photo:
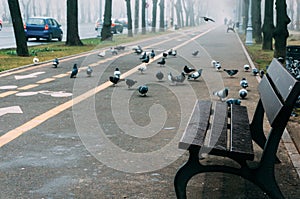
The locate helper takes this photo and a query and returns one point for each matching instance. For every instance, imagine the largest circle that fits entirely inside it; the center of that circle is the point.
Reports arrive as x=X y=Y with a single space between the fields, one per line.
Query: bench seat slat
x=218 y=138
x=197 y=126
x=241 y=140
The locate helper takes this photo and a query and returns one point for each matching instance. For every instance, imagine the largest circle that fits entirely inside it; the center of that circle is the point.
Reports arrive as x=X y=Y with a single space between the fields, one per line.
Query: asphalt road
x=85 y=138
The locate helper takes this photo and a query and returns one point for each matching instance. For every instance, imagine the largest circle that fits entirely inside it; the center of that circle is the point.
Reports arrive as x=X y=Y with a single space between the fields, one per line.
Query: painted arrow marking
x=11 y=109
x=32 y=75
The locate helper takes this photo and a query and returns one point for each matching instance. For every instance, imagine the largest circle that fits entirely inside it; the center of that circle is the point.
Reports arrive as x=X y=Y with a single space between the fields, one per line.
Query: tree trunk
x=281 y=32
x=143 y=17
x=291 y=14
x=256 y=19
x=72 y=24
x=268 y=26
x=154 y=12
x=298 y=15
x=106 y=29
x=162 y=16
x=178 y=12
x=136 y=16
x=129 y=19
x=14 y=7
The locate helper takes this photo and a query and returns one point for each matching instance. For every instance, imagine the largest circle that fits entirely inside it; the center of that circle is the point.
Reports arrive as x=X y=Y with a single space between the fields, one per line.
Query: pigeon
x=89 y=71
x=208 y=19
x=243 y=93
x=244 y=83
x=114 y=79
x=255 y=71
x=55 y=63
x=165 y=55
x=102 y=54
x=113 y=51
x=143 y=56
x=217 y=65
x=233 y=101
x=195 y=75
x=146 y=59
x=143 y=89
x=261 y=73
x=213 y=63
x=162 y=62
x=174 y=53
x=130 y=82
x=142 y=68
x=195 y=53
x=188 y=70
x=222 y=94
x=246 y=67
x=231 y=72
x=170 y=51
x=159 y=75
x=152 y=54
x=176 y=79
x=35 y=60
x=120 y=47
x=117 y=72
x=74 y=71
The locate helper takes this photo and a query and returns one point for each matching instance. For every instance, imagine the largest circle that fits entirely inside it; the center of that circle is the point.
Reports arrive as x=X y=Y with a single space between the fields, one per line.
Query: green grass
x=10 y=60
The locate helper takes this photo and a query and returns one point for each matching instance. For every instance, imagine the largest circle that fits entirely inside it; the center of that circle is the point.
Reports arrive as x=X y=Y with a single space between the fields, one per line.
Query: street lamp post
x=249 y=39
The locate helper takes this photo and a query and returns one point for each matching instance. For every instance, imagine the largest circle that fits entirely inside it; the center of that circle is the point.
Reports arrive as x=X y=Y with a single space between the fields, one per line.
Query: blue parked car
x=43 y=27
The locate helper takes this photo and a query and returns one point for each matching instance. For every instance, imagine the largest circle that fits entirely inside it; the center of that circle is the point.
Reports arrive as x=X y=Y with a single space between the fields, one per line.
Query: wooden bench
x=218 y=129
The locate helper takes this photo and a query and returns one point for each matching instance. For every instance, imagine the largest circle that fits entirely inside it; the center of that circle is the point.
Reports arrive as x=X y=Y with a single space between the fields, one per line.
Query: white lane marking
x=8 y=87
x=32 y=75
x=10 y=109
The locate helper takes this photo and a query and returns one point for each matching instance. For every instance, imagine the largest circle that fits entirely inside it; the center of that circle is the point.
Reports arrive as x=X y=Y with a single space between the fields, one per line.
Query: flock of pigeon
x=187 y=72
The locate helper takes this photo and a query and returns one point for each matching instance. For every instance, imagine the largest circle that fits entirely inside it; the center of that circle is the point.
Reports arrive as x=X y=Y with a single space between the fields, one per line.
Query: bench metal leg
x=263 y=175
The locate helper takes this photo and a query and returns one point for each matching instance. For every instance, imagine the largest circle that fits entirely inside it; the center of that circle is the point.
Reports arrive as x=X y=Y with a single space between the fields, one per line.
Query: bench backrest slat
x=197 y=126
x=278 y=92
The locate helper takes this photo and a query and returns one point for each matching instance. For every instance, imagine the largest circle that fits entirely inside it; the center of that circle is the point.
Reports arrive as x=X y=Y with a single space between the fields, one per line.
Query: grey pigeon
x=159 y=75
x=74 y=71
x=113 y=51
x=255 y=71
x=244 y=83
x=130 y=82
x=176 y=79
x=152 y=54
x=142 y=68
x=233 y=101
x=195 y=75
x=231 y=72
x=243 y=93
x=195 y=53
x=222 y=94
x=89 y=71
x=143 y=89
x=55 y=63
x=162 y=62
x=208 y=19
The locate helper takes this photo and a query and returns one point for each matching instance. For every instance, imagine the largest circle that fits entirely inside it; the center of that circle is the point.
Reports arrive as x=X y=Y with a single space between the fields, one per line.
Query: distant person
x=225 y=21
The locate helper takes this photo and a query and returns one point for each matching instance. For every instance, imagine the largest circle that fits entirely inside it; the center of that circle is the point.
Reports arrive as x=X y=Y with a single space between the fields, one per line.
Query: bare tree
x=136 y=16
x=14 y=8
x=298 y=15
x=162 y=15
x=268 y=26
x=144 y=17
x=281 y=32
x=154 y=12
x=129 y=19
x=256 y=19
x=106 y=30
x=72 y=24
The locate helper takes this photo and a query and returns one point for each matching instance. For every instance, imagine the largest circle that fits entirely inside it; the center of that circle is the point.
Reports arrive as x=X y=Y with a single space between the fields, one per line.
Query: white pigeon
x=102 y=54
x=113 y=51
x=142 y=68
x=218 y=66
x=213 y=63
x=117 y=72
x=89 y=71
x=243 y=93
x=246 y=67
x=222 y=94
x=35 y=60
x=195 y=75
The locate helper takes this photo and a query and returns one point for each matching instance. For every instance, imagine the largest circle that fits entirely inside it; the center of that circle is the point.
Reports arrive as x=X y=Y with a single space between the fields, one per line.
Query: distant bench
x=218 y=129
